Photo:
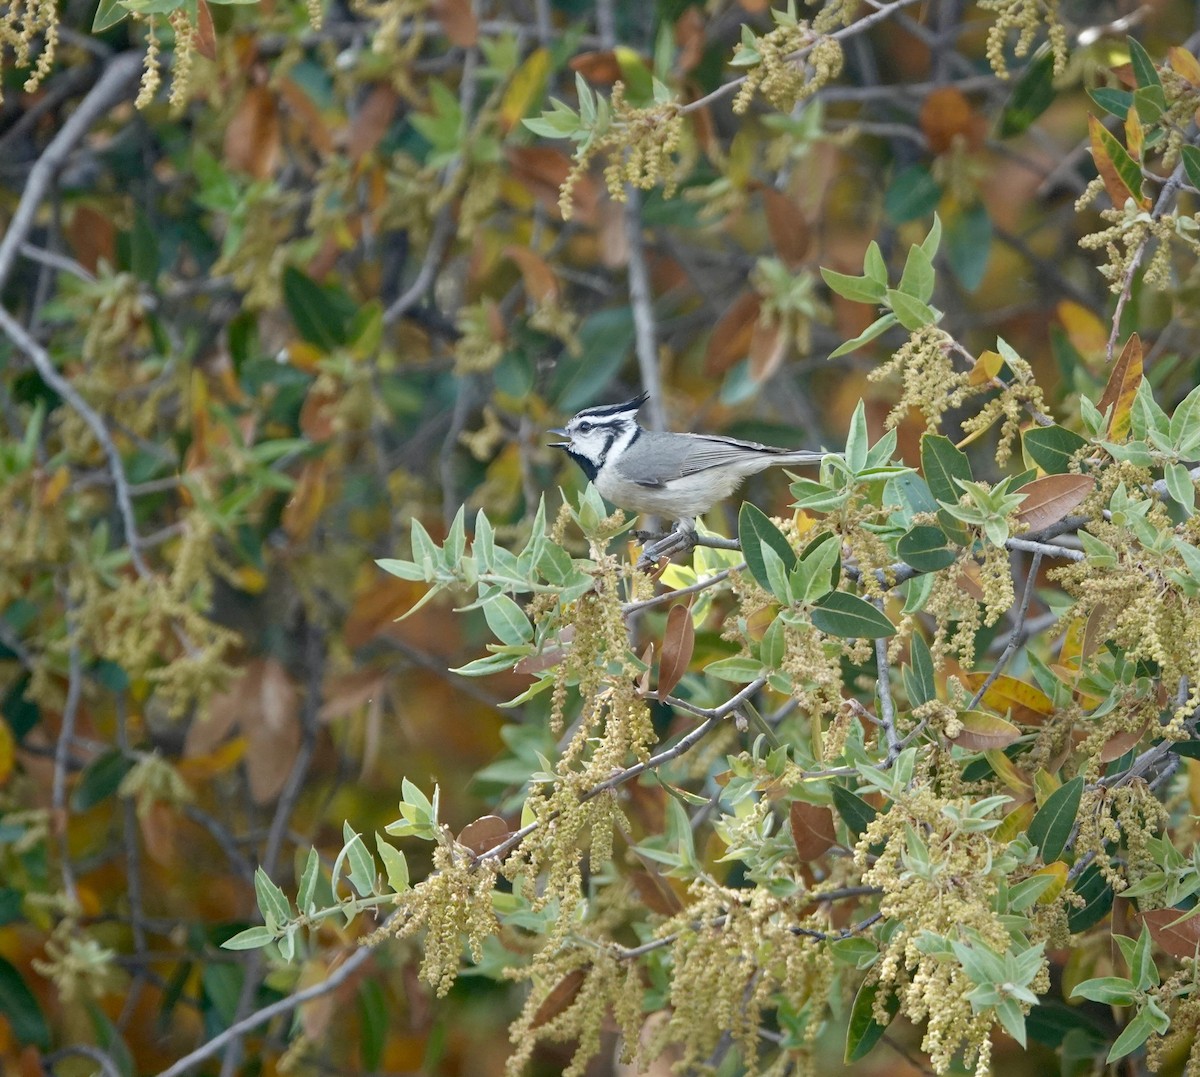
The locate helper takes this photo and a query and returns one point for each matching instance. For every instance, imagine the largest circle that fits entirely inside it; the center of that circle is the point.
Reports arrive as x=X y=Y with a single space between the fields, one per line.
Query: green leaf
x=856 y=289
x=20 y=1007
x=362 y=864
x=850 y=617
x=1115 y=102
x=921 y=665
x=926 y=548
x=918 y=277
x=755 y=530
x=1052 y=824
x=913 y=314
x=1180 y=486
x=322 y=315
x=969 y=244
x=873 y=264
x=1143 y=67
x=253 y=938
x=856 y=813
x=272 y=902
x=736 y=669
x=1031 y=96
x=863 y=1031
x=1051 y=448
x=100 y=779
x=507 y=620
x=374 y=1023
x=1097 y=895
x=307 y=890
x=942 y=464
x=1137 y=1032
x=395 y=864
x=913 y=193
x=1191 y=164
x=877 y=328
x=108 y=14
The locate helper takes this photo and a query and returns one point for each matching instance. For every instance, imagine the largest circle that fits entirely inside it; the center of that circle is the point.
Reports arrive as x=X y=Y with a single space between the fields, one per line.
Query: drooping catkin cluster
x=1026 y=17
x=794 y=64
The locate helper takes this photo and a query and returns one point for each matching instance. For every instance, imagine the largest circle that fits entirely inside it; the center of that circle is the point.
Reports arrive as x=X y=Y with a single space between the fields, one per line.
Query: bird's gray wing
x=708 y=451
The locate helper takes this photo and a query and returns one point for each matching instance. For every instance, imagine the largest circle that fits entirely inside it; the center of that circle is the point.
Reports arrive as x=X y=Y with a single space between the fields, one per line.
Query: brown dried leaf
x=306 y=117
x=599 y=68
x=93 y=236
x=1175 y=931
x=656 y=892
x=252 y=142
x=1122 y=387
x=319 y=410
x=1118 y=745
x=731 y=336
x=790 y=234
x=458 y=20
x=272 y=734
x=768 y=346
x=679 y=640
x=559 y=998
x=344 y=694
x=205 y=41
x=813 y=830
x=371 y=121
x=690 y=39
x=483 y=834
x=947 y=117
x=1049 y=499
x=1093 y=631
x=982 y=731
x=304 y=507
x=541 y=284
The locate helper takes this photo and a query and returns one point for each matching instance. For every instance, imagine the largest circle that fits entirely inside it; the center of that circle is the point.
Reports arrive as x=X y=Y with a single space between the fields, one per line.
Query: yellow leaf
x=8 y=752
x=1184 y=64
x=1015 y=822
x=981 y=731
x=1122 y=387
x=1059 y=870
x=1086 y=332
x=525 y=88
x=986 y=367
x=1007 y=773
x=1028 y=703
x=53 y=490
x=1044 y=783
x=1135 y=135
x=1072 y=644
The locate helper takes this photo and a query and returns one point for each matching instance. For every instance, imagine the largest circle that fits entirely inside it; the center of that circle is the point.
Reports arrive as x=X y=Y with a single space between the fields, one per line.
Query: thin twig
x=1017 y=636
x=62 y=752
x=670 y=596
x=642 y=303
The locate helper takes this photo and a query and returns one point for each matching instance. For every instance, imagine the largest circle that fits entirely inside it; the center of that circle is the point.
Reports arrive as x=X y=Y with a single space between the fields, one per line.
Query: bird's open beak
x=559 y=444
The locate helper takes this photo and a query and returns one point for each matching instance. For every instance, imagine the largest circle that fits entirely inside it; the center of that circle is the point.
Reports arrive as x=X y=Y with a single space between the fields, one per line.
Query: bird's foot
x=678 y=541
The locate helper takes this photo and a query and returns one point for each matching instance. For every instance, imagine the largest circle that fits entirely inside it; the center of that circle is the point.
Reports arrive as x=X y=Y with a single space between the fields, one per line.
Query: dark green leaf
x=374 y=1023
x=1052 y=824
x=605 y=339
x=1143 y=67
x=1051 y=448
x=1150 y=103
x=21 y=712
x=322 y=315
x=926 y=548
x=754 y=530
x=941 y=464
x=100 y=779
x=11 y=900
x=19 y=1006
x=1191 y=165
x=856 y=813
x=913 y=193
x=864 y=1031
x=921 y=665
x=850 y=617
x=969 y=244
x=1114 y=102
x=1031 y=96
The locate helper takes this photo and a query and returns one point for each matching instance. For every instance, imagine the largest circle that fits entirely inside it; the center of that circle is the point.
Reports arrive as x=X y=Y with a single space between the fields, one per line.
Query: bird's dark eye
x=586 y=428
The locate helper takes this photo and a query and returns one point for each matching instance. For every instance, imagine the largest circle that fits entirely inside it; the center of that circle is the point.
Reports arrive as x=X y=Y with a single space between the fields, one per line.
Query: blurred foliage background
x=320 y=284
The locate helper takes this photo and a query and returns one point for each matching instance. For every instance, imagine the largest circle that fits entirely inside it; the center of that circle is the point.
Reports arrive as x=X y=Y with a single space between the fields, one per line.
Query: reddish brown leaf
x=304 y=507
x=318 y=413
x=731 y=336
x=1118 y=745
x=483 y=834
x=947 y=117
x=93 y=236
x=790 y=234
x=306 y=118
x=599 y=68
x=541 y=284
x=1175 y=931
x=690 y=39
x=981 y=731
x=656 y=892
x=768 y=346
x=813 y=831
x=272 y=733
x=1122 y=387
x=371 y=121
x=560 y=997
x=678 y=641
x=1049 y=499
x=458 y=20
x=252 y=142
x=205 y=40
x=344 y=694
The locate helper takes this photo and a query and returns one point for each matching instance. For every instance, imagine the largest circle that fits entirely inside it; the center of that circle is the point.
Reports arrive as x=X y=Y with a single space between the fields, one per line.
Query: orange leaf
x=303 y=508
x=541 y=285
x=483 y=834
x=93 y=236
x=8 y=753
x=458 y=20
x=1027 y=703
x=1086 y=332
x=1122 y=387
x=1049 y=499
x=731 y=336
x=371 y=121
x=813 y=831
x=252 y=142
x=947 y=117
x=789 y=231
x=1117 y=168
x=1175 y=931
x=678 y=641
x=1184 y=64
x=319 y=410
x=981 y=731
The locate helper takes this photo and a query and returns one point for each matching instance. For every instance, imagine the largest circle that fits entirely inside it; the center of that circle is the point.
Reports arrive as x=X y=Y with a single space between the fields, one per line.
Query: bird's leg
x=682 y=539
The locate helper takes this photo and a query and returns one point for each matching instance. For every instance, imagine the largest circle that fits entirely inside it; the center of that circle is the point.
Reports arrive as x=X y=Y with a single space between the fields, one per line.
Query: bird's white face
x=593 y=433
